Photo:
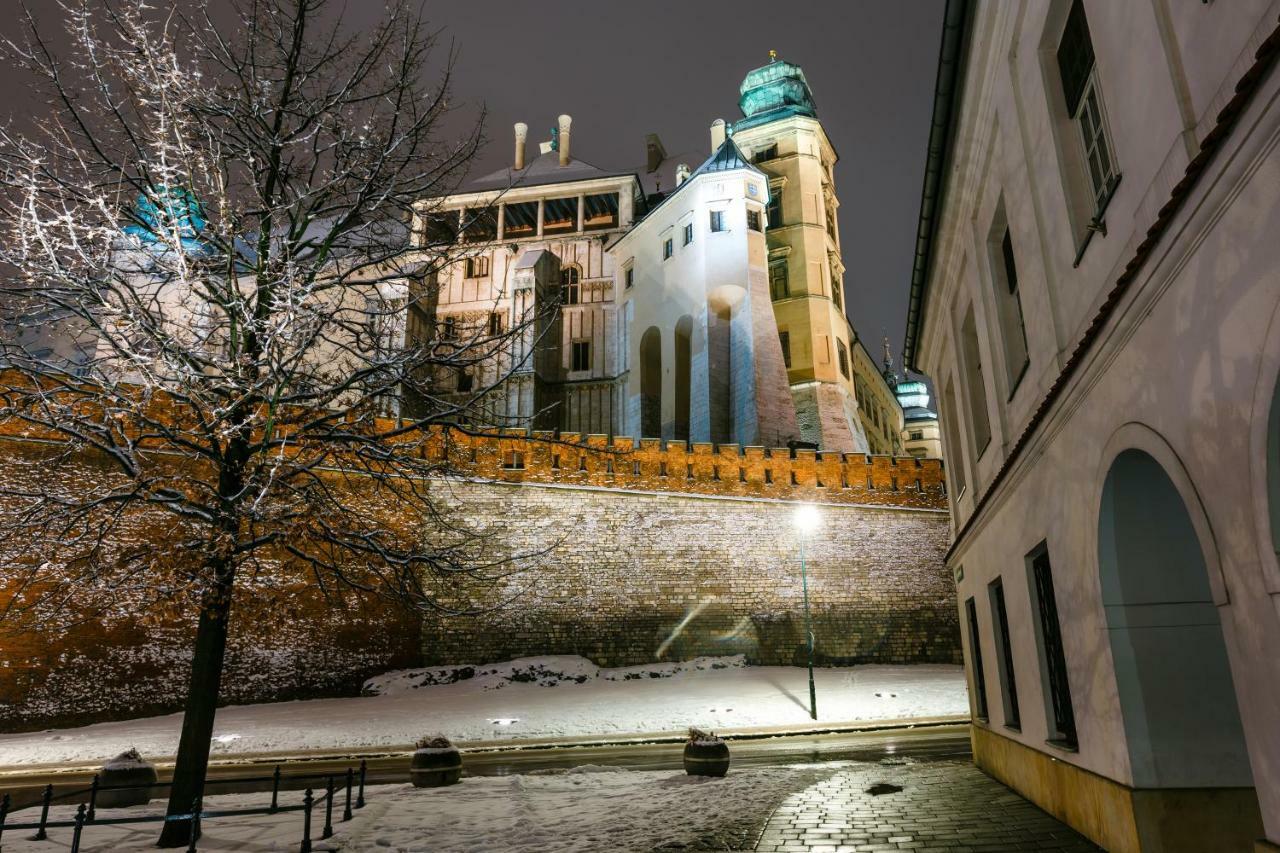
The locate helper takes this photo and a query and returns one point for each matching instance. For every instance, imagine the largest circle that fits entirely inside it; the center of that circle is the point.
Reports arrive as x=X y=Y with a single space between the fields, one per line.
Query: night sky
x=624 y=69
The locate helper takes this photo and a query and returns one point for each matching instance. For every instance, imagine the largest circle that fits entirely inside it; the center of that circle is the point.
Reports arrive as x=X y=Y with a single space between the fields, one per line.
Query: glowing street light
x=806 y=520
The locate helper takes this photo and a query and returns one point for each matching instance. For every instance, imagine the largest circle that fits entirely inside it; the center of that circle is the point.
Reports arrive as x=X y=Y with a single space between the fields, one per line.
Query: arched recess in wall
x=721 y=304
x=651 y=383
x=684 y=364
x=1264 y=455
x=1173 y=677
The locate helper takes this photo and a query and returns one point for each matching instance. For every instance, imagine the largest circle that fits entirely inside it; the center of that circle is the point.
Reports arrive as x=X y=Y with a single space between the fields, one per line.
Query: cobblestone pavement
x=945 y=806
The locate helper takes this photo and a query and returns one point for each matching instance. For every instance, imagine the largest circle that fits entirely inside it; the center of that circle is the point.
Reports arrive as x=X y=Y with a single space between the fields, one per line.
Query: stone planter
x=128 y=768
x=706 y=757
x=435 y=766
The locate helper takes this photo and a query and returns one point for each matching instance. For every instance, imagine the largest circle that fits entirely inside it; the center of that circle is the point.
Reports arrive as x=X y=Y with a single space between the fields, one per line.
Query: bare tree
x=219 y=226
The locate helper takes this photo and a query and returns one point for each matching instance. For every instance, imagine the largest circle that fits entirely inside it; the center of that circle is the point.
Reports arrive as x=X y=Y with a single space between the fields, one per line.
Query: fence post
x=275 y=789
x=346 y=812
x=41 y=835
x=75 y=835
x=360 y=796
x=196 y=808
x=306 y=823
x=327 y=832
x=4 y=813
x=93 y=799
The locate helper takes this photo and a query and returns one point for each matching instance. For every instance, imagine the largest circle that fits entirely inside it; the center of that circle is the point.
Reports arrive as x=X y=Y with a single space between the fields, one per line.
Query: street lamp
x=806 y=520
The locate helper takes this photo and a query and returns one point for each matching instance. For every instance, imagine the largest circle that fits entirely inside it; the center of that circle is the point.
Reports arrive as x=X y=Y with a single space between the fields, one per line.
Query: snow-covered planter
x=127 y=768
x=436 y=762
x=705 y=754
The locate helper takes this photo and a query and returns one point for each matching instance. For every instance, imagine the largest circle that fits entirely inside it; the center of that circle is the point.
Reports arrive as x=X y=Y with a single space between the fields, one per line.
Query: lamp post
x=806 y=520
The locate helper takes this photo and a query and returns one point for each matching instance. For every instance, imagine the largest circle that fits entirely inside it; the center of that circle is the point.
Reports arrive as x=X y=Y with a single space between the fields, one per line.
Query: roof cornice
x=946 y=94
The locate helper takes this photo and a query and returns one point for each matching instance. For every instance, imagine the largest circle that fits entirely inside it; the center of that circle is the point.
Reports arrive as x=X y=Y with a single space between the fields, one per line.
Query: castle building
x=920 y=434
x=1096 y=296
x=700 y=304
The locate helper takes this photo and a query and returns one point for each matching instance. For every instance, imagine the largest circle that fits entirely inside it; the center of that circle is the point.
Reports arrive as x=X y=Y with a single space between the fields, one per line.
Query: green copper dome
x=774 y=91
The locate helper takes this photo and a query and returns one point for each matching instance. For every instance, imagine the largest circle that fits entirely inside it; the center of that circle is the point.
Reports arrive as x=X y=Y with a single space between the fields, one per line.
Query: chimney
x=654 y=153
x=717 y=135
x=564 y=140
x=682 y=173
x=522 y=130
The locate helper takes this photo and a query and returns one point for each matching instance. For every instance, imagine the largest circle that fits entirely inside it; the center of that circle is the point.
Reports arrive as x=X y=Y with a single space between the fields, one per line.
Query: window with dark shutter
x=717 y=220
x=1075 y=56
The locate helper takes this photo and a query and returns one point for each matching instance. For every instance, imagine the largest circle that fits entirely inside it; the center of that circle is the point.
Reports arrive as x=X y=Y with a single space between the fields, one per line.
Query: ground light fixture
x=807 y=519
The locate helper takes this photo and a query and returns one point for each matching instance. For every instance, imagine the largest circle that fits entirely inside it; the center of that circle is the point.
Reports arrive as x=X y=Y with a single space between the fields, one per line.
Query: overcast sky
x=624 y=69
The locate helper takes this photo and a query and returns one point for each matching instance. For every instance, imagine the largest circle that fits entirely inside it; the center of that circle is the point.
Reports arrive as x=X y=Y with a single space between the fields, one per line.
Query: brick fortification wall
x=633 y=540
x=635 y=577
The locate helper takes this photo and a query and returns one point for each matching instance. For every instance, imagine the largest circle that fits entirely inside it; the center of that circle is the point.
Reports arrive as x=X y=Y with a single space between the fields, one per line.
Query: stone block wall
x=634 y=577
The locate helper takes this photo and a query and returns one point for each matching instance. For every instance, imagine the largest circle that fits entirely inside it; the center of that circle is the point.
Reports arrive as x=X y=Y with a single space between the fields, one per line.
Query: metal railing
x=86 y=813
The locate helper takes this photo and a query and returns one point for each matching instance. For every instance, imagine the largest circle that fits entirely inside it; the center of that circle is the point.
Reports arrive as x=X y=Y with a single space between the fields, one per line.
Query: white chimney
x=522 y=131
x=717 y=135
x=682 y=173
x=564 y=140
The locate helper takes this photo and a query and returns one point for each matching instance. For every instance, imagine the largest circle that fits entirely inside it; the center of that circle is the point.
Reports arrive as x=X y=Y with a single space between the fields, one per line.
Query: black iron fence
x=352 y=781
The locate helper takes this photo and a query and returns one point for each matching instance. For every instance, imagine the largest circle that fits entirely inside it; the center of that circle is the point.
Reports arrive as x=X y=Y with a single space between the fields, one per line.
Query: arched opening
x=684 y=359
x=1181 y=720
x=651 y=383
x=719 y=324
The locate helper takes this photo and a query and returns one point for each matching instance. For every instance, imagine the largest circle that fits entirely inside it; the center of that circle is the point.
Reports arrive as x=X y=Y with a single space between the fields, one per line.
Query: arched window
x=569 y=278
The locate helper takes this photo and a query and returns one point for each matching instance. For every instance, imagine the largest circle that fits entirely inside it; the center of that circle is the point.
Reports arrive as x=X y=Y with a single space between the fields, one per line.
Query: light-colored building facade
x=1096 y=298
x=698 y=305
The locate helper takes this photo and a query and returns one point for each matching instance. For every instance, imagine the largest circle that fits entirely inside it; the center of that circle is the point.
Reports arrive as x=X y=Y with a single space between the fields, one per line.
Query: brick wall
x=623 y=544
x=626 y=569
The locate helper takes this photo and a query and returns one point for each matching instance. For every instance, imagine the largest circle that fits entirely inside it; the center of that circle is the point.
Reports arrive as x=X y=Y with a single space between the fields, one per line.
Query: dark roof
x=545 y=169
x=945 y=94
x=916 y=413
x=727 y=157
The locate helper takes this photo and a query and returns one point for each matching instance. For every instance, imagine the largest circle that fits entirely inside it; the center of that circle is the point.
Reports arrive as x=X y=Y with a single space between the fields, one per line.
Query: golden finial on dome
x=773 y=56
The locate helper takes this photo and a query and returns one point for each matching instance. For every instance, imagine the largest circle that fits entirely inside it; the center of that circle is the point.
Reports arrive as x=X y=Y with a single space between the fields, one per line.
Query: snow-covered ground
x=529 y=698
x=584 y=809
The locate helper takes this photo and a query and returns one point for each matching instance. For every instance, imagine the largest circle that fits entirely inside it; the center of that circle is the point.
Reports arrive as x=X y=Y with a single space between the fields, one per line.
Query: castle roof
x=774 y=91
x=726 y=158
x=544 y=170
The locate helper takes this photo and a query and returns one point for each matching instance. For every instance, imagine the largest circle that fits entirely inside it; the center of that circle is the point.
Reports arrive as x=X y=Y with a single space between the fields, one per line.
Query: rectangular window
x=667 y=248
x=582 y=355
x=842 y=352
x=917 y=435
x=765 y=154
x=779 y=286
x=513 y=460
x=774 y=210
x=784 y=338
x=478 y=266
x=449 y=329
x=1078 y=70
x=1008 y=683
x=753 y=220
x=1013 y=332
x=717 y=220
x=464 y=380
x=975 y=658
x=837 y=290
x=629 y=277
x=975 y=383
x=495 y=324
x=688 y=233
x=1053 y=655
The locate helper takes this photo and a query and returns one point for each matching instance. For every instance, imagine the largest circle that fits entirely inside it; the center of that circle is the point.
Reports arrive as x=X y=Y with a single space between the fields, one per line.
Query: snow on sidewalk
x=529 y=698
x=584 y=809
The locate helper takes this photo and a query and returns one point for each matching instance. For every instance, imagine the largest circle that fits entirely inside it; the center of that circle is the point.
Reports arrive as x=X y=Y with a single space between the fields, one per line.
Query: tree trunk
x=197 y=720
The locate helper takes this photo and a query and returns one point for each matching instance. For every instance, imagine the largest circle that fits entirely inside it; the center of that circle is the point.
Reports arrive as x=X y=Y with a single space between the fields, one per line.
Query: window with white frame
x=1079 y=73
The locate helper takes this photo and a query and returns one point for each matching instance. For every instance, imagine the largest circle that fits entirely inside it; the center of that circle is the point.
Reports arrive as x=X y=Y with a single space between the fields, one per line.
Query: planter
x=434 y=767
x=128 y=768
x=706 y=757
